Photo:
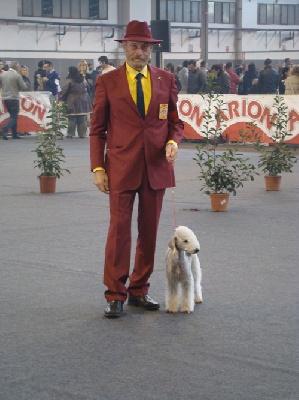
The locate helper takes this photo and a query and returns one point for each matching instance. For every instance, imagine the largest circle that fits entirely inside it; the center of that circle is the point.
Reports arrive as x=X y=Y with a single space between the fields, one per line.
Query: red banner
x=238 y=112
x=34 y=108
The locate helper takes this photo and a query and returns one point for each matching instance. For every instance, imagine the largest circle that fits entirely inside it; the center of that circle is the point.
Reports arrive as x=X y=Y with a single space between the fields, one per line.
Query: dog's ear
x=171 y=244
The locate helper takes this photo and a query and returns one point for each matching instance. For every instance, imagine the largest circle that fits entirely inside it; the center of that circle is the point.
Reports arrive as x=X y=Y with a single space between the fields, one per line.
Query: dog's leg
x=172 y=296
x=188 y=295
x=196 y=270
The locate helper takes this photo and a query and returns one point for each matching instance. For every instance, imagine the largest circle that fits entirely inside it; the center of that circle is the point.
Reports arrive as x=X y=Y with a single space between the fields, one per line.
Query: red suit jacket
x=120 y=139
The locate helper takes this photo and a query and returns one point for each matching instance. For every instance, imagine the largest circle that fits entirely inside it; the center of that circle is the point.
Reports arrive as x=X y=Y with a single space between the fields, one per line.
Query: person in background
x=193 y=78
x=106 y=67
x=285 y=73
x=134 y=139
x=51 y=80
x=94 y=75
x=292 y=82
x=1 y=66
x=203 y=76
x=268 y=79
x=221 y=82
x=1 y=70
x=78 y=104
x=99 y=69
x=250 y=80
x=39 y=74
x=170 y=67
x=234 y=79
x=83 y=69
x=24 y=74
x=183 y=76
x=11 y=83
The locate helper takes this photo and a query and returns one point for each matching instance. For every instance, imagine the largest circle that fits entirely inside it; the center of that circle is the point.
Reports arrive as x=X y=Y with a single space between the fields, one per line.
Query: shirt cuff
x=98 y=169
x=173 y=143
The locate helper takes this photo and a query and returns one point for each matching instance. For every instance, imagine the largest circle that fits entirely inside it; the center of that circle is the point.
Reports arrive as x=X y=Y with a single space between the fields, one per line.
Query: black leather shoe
x=143 y=301
x=114 y=309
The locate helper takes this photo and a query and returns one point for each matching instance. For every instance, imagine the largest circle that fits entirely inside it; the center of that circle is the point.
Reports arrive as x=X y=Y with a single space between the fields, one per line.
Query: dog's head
x=184 y=240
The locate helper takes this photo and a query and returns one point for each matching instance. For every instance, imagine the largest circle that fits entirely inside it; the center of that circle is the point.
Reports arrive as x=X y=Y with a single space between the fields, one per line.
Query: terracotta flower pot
x=219 y=201
x=47 y=184
x=272 y=182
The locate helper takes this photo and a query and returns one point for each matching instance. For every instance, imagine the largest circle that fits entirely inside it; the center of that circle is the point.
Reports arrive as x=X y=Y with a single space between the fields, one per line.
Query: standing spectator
x=24 y=74
x=203 y=77
x=292 y=82
x=285 y=73
x=1 y=70
x=51 y=80
x=39 y=74
x=134 y=138
x=183 y=77
x=250 y=80
x=268 y=79
x=170 y=67
x=221 y=82
x=195 y=82
x=11 y=83
x=234 y=79
x=78 y=104
x=94 y=74
x=1 y=66
x=106 y=67
x=83 y=69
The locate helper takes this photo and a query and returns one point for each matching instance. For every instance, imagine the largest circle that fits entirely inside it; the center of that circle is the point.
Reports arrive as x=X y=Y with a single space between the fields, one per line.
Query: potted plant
x=49 y=153
x=222 y=172
x=276 y=158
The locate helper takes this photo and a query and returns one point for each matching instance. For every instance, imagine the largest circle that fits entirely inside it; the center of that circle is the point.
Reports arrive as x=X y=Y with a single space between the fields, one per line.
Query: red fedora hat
x=138 y=31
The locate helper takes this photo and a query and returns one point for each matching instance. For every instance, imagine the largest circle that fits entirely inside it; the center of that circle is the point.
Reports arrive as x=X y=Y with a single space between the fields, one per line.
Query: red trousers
x=118 y=247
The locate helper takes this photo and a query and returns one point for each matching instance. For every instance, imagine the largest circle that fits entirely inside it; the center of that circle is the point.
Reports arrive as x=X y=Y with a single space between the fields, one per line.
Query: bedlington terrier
x=183 y=271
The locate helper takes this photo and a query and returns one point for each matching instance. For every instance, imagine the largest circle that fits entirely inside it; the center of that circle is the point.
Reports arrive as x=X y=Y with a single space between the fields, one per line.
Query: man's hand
x=100 y=179
x=171 y=152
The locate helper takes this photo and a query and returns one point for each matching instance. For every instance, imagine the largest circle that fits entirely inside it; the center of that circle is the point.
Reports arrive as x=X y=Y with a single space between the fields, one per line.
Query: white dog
x=183 y=271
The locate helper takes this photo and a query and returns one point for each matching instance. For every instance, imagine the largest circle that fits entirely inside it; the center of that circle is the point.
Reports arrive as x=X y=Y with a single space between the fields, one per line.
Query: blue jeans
x=13 y=107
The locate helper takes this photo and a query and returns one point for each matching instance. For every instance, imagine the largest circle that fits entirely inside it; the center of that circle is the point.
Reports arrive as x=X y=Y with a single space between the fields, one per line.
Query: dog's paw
x=170 y=311
x=186 y=310
x=198 y=300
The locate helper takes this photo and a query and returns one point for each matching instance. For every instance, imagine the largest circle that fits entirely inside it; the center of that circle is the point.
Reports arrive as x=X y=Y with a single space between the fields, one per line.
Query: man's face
x=137 y=53
x=191 y=67
x=47 y=67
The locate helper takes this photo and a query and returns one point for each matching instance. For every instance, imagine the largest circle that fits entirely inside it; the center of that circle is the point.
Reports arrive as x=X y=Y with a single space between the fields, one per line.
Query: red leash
x=170 y=167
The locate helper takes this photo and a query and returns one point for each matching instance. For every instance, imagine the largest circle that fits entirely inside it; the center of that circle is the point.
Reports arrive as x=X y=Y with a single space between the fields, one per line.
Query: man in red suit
x=134 y=140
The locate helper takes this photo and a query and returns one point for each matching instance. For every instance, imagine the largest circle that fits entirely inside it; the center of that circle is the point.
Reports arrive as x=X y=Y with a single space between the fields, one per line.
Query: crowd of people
x=77 y=92
x=194 y=77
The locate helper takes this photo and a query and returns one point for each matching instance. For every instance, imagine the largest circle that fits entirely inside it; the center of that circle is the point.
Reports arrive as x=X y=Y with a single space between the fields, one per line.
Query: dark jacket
x=195 y=81
x=51 y=85
x=247 y=82
x=268 y=80
x=222 y=83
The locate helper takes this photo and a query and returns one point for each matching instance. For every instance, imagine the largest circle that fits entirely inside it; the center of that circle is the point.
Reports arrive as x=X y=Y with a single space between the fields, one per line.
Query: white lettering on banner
x=34 y=108
x=238 y=111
